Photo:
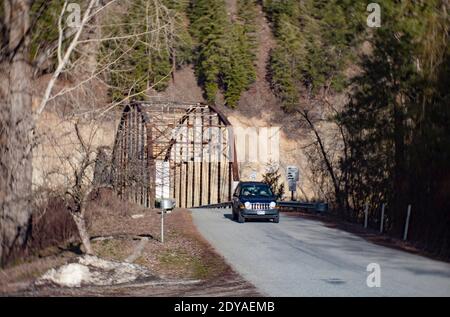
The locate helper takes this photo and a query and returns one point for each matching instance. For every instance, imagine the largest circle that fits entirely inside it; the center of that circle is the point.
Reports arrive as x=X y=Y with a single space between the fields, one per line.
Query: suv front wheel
x=241 y=219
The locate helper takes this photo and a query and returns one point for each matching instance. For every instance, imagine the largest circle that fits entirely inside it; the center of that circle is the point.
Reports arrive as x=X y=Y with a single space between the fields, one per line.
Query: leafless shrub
x=52 y=225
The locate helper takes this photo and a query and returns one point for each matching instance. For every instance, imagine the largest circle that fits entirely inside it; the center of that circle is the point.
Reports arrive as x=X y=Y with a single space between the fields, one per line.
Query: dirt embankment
x=258 y=107
x=184 y=265
x=58 y=149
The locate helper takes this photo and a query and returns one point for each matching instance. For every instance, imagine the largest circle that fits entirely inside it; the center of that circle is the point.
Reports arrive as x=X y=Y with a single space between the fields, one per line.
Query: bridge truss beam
x=179 y=150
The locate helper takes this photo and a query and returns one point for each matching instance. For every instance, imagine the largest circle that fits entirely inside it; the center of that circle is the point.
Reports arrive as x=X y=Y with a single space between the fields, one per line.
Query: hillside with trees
x=372 y=103
x=397 y=123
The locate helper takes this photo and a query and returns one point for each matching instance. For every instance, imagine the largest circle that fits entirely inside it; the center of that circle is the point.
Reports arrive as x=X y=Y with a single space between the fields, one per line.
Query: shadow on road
x=230 y=217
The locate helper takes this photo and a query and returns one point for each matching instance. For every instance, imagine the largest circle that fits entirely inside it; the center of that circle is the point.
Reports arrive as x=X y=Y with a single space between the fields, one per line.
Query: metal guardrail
x=315 y=206
x=226 y=204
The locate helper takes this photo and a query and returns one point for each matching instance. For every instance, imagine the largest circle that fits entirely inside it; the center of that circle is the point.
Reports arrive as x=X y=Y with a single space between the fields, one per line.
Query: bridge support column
x=151 y=168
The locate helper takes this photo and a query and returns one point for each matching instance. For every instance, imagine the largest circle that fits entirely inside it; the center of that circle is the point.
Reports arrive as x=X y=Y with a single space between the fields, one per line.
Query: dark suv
x=254 y=200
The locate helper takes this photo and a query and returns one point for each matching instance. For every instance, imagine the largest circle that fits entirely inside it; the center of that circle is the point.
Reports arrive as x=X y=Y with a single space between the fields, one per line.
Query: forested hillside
x=383 y=92
x=199 y=32
x=317 y=40
x=397 y=122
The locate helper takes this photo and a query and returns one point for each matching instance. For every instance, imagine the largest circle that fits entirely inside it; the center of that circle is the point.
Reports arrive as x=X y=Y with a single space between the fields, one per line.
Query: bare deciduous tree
x=19 y=132
x=328 y=145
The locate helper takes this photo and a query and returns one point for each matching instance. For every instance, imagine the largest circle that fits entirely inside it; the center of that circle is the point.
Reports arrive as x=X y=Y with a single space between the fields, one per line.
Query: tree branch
x=65 y=59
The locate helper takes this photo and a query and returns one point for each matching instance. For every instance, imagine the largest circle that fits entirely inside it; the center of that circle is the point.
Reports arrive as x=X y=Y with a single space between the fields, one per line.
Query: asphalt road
x=300 y=257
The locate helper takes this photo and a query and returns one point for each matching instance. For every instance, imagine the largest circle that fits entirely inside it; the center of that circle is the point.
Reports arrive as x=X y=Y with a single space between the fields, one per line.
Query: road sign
x=292 y=173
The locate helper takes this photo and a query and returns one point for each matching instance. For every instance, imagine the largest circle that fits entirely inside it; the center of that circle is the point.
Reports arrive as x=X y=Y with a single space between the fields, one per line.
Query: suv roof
x=252 y=183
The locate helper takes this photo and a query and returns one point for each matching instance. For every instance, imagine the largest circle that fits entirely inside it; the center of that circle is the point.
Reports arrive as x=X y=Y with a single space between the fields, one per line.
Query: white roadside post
x=366 y=215
x=166 y=205
x=408 y=214
x=382 y=218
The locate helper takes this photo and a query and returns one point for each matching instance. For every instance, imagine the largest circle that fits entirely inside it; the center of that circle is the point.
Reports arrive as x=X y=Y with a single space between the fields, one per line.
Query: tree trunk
x=399 y=167
x=80 y=221
x=15 y=133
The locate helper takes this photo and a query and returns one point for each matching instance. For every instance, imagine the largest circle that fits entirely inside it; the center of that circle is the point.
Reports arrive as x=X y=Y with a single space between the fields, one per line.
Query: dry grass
x=113 y=249
x=22 y=274
x=185 y=255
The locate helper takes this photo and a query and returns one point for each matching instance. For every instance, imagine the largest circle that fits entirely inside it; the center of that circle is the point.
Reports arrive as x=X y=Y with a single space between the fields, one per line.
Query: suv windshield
x=256 y=190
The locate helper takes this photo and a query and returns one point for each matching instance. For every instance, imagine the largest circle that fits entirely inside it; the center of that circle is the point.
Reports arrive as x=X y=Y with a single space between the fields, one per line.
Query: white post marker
x=166 y=204
x=405 y=235
x=366 y=215
x=382 y=218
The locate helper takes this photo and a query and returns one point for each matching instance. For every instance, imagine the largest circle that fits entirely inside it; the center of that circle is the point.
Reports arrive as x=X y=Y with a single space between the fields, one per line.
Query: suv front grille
x=260 y=206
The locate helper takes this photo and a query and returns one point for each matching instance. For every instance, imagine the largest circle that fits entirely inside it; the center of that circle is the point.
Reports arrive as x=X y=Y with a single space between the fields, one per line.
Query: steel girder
x=181 y=150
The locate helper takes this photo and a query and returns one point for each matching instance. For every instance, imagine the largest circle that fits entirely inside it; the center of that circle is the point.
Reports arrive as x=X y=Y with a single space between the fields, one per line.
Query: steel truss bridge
x=184 y=151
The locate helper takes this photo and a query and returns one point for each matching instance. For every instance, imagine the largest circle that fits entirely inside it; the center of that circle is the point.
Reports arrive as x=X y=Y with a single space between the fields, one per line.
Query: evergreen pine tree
x=146 y=58
x=315 y=44
x=396 y=119
x=225 y=55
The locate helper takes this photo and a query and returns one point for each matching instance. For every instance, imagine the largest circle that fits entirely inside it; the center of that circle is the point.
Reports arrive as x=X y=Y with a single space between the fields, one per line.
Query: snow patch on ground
x=91 y=270
x=70 y=275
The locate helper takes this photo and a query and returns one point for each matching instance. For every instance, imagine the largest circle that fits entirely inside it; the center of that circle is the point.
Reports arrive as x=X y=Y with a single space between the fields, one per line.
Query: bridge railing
x=319 y=207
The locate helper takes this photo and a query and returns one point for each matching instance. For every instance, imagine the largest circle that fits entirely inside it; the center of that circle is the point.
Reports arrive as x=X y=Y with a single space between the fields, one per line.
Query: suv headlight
x=272 y=205
x=247 y=205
